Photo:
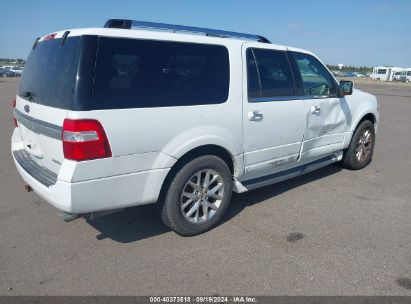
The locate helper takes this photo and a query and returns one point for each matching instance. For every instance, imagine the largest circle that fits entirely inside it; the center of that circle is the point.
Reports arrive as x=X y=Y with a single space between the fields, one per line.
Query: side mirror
x=345 y=88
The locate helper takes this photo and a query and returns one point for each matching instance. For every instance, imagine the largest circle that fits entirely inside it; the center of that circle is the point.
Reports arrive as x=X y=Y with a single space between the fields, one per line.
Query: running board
x=290 y=173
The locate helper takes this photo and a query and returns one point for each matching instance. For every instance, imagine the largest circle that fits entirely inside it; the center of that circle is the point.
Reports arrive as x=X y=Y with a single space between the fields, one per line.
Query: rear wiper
x=28 y=95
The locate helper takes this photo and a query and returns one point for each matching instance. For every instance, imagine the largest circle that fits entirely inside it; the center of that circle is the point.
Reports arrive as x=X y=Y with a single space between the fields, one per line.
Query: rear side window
x=133 y=73
x=49 y=76
x=274 y=74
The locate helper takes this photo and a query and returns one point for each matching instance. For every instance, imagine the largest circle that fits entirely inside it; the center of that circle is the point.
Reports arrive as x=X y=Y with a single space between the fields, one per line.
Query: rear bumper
x=99 y=194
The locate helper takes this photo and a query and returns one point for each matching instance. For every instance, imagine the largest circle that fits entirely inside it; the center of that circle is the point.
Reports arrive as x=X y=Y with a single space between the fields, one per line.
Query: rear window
x=134 y=73
x=49 y=75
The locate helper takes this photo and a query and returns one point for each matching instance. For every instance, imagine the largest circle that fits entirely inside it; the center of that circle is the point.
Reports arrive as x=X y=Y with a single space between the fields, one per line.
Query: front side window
x=317 y=81
x=133 y=73
x=269 y=74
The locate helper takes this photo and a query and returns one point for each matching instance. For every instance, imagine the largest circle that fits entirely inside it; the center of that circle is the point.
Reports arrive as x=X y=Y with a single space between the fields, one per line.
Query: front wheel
x=198 y=196
x=360 y=151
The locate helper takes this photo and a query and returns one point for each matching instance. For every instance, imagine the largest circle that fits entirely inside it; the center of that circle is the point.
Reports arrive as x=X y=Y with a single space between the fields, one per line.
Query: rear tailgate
x=40 y=129
x=46 y=94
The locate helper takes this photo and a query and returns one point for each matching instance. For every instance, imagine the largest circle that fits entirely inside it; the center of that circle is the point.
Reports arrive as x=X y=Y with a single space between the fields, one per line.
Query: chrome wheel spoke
x=205 y=210
x=367 y=137
x=211 y=206
x=193 y=209
x=194 y=185
x=215 y=196
x=188 y=202
x=197 y=213
x=191 y=196
x=215 y=189
x=206 y=179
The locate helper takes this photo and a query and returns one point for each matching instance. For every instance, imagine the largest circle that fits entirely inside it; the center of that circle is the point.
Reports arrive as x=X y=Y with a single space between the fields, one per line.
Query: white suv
x=138 y=113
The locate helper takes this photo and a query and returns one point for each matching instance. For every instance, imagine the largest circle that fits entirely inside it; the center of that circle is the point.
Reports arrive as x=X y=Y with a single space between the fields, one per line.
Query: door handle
x=255 y=116
x=315 y=109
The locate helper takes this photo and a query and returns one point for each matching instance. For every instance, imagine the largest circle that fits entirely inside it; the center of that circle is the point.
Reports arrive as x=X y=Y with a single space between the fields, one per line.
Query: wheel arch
x=368 y=115
x=209 y=149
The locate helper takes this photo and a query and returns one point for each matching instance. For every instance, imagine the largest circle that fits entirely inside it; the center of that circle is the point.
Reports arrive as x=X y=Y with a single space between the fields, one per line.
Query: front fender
x=361 y=104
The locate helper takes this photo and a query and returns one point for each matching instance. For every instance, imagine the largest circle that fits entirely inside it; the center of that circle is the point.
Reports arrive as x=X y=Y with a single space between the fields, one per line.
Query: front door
x=273 y=116
x=326 y=113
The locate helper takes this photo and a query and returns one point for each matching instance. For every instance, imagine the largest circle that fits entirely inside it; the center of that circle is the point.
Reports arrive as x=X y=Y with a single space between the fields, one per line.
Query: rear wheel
x=198 y=196
x=360 y=151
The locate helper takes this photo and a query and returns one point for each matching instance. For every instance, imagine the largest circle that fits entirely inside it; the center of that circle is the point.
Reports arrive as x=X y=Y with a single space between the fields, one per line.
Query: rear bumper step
x=43 y=175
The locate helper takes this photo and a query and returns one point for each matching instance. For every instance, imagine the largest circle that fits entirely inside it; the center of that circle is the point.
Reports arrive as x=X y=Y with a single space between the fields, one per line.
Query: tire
x=360 y=151
x=188 y=191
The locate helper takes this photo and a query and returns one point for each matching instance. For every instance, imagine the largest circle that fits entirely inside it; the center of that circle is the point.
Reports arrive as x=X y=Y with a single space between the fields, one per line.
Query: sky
x=351 y=32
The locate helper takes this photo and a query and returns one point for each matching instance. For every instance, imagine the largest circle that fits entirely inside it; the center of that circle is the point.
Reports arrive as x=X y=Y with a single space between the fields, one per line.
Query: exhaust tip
x=68 y=217
x=28 y=188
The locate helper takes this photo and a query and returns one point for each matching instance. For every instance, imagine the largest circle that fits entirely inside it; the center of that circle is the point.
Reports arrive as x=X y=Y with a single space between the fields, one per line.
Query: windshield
x=49 y=76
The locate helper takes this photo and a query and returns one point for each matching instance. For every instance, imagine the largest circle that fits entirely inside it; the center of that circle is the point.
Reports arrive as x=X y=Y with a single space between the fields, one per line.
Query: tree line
x=349 y=68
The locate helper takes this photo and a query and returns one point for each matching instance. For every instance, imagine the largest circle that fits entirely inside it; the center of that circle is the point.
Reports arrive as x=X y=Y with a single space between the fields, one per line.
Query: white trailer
x=384 y=73
x=407 y=74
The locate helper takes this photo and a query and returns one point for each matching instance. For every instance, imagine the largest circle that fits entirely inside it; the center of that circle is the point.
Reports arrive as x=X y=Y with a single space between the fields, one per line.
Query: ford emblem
x=27 y=108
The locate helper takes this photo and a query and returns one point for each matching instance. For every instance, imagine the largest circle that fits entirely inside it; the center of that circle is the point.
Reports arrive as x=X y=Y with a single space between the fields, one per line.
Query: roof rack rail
x=130 y=24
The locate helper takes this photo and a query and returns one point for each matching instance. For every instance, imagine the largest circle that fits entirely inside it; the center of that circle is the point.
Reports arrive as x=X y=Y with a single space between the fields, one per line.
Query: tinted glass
x=134 y=73
x=253 y=83
x=274 y=72
x=49 y=76
x=317 y=81
x=381 y=71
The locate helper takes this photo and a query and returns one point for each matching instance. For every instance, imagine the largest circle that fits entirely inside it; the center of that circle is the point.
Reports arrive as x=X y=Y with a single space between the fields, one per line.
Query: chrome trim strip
x=319 y=96
x=38 y=126
x=279 y=98
x=285 y=98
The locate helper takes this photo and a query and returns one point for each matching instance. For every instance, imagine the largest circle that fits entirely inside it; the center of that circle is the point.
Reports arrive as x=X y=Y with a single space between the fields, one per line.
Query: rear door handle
x=255 y=116
x=315 y=109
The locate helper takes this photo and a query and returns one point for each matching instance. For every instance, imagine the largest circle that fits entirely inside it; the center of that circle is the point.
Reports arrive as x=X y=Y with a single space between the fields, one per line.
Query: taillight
x=13 y=103
x=84 y=139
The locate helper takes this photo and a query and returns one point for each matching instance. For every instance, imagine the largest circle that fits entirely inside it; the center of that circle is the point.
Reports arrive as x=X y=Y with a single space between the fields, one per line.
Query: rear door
x=46 y=93
x=273 y=111
x=326 y=113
